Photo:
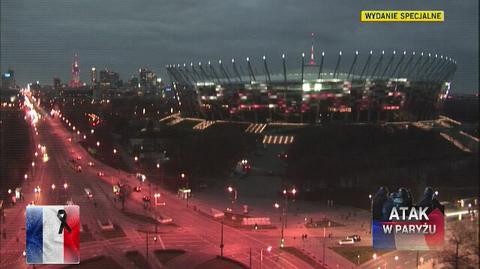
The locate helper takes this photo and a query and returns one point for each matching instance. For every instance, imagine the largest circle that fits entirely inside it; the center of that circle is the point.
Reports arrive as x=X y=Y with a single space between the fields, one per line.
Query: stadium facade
x=351 y=87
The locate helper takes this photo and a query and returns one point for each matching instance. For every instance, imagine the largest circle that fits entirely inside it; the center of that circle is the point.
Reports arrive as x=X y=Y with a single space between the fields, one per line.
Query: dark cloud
x=39 y=37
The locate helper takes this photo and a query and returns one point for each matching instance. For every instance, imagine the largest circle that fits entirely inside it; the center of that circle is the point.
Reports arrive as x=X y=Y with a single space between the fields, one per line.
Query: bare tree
x=462 y=247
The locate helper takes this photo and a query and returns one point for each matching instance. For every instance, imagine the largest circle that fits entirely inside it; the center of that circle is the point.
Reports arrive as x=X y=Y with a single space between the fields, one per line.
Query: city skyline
x=157 y=34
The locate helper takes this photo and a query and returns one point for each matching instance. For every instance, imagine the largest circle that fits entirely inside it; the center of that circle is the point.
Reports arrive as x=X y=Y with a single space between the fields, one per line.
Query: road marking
x=161 y=241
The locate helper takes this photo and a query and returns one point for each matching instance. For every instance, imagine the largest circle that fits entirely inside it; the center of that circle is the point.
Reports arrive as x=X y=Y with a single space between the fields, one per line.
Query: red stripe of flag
x=71 y=240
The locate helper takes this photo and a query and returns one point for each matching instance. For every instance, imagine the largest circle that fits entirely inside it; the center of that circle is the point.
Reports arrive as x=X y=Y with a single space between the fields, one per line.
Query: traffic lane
x=193 y=222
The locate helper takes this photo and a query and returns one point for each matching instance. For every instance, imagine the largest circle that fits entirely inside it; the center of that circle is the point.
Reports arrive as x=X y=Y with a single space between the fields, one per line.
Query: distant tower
x=312 y=57
x=75 y=82
x=57 y=84
x=93 y=76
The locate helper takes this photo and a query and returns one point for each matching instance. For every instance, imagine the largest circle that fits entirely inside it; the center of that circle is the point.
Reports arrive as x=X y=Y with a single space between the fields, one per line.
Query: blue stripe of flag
x=34 y=229
x=381 y=240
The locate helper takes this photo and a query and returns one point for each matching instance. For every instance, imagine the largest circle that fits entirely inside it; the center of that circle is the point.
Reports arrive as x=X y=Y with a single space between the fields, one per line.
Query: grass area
x=358 y=255
x=115 y=233
x=324 y=223
x=221 y=263
x=105 y=157
x=166 y=255
x=140 y=217
x=97 y=262
x=137 y=259
x=16 y=150
x=304 y=257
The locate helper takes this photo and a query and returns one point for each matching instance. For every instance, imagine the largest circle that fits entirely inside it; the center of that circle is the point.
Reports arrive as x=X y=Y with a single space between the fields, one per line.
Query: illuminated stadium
x=344 y=87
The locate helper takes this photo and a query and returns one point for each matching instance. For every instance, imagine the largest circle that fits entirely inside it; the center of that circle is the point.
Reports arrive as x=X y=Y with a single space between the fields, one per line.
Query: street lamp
x=187 y=191
x=65 y=185
x=92 y=131
x=53 y=187
x=114 y=151
x=98 y=143
x=233 y=194
x=282 y=239
x=285 y=208
x=269 y=249
x=156 y=196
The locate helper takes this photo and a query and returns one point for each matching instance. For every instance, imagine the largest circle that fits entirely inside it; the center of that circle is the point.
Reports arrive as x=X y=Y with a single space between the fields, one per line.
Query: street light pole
x=146 y=241
x=250 y=258
x=221 y=241
x=371 y=212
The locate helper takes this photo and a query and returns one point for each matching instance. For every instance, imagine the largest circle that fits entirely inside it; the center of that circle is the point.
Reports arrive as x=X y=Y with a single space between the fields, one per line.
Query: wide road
x=192 y=231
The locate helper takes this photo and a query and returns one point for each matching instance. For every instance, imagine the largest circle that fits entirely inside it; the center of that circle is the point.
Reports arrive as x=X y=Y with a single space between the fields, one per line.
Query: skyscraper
x=8 y=79
x=147 y=78
x=75 y=82
x=109 y=78
x=57 y=84
x=93 y=74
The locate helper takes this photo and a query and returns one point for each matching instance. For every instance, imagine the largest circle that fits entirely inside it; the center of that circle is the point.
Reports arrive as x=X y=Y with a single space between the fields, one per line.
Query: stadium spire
x=312 y=55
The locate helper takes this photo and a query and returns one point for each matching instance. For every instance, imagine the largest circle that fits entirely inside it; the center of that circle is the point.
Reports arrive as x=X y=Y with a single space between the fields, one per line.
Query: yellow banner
x=402 y=16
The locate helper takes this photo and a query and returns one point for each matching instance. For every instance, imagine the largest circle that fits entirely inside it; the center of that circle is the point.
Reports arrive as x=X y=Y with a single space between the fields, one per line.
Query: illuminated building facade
x=93 y=76
x=75 y=81
x=8 y=79
x=355 y=87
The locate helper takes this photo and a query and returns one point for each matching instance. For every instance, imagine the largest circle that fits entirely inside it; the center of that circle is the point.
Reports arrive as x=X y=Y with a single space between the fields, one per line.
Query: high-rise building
x=93 y=74
x=147 y=78
x=75 y=82
x=57 y=83
x=8 y=79
x=109 y=78
x=133 y=81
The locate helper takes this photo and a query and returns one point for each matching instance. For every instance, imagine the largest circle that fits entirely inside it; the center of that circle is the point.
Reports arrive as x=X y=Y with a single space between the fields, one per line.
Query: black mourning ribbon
x=62 y=216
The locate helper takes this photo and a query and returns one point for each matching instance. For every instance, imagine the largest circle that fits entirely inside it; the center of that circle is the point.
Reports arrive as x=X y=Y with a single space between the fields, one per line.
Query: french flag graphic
x=53 y=234
x=410 y=241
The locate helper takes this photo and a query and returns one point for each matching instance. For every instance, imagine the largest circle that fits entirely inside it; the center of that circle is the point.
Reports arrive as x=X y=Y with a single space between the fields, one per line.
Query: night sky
x=39 y=38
